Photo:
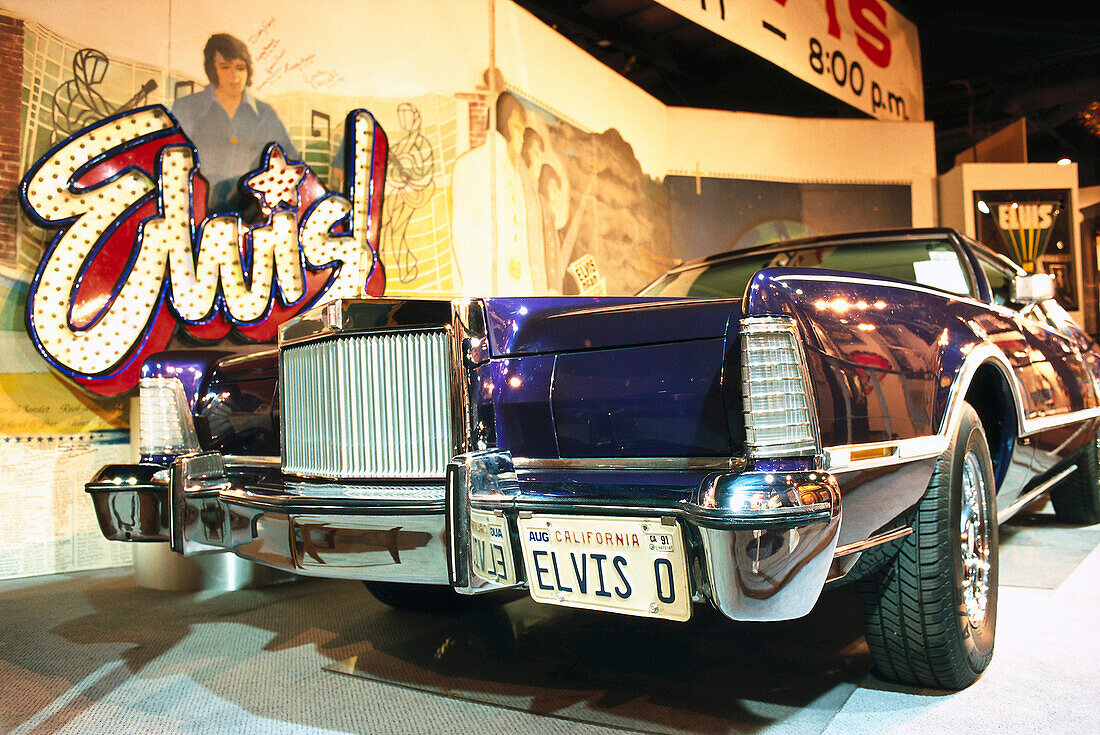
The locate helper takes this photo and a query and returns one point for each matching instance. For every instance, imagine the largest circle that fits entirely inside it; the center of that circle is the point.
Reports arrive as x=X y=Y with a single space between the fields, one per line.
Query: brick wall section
x=479 y=116
x=11 y=81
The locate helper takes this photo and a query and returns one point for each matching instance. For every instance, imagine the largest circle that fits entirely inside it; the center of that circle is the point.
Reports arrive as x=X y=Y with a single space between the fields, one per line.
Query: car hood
x=528 y=326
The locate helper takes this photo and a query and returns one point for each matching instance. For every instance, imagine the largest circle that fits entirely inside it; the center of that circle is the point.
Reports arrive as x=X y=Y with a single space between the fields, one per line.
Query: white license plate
x=635 y=566
x=490 y=548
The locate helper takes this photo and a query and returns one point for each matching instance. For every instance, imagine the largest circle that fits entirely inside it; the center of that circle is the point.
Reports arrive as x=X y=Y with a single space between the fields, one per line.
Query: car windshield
x=930 y=262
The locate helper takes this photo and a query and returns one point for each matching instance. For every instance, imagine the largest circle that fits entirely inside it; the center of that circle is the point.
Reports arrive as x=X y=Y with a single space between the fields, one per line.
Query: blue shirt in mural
x=229 y=148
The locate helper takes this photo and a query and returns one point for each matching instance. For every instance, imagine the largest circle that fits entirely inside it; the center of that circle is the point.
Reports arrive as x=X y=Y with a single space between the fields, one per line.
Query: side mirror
x=1032 y=288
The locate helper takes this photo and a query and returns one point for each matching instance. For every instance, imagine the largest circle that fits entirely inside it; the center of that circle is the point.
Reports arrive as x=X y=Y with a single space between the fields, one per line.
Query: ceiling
x=985 y=65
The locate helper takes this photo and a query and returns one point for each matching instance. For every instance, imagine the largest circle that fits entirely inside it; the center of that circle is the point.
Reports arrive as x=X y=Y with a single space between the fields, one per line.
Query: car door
x=1045 y=349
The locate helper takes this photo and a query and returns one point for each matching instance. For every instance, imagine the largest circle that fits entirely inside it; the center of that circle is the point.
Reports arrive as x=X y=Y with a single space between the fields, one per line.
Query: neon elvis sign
x=136 y=256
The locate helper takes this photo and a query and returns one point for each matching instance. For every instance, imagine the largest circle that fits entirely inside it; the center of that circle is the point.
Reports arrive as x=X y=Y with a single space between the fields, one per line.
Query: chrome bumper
x=759 y=544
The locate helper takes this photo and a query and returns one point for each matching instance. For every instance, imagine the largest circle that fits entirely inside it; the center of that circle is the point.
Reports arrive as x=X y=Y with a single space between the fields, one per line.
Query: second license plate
x=635 y=566
x=491 y=548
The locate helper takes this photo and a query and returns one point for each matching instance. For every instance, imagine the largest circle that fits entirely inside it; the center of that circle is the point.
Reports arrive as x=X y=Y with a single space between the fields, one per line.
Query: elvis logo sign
x=136 y=257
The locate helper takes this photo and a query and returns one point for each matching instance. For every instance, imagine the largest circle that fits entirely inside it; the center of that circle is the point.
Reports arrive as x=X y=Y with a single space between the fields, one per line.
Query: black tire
x=428 y=598
x=1077 y=498
x=923 y=612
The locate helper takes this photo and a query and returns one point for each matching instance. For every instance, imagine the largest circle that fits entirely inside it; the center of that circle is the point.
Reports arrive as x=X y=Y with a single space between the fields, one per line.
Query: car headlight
x=779 y=407
x=165 y=423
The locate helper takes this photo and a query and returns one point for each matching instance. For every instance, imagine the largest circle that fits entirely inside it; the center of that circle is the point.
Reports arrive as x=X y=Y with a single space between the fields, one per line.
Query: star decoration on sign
x=278 y=182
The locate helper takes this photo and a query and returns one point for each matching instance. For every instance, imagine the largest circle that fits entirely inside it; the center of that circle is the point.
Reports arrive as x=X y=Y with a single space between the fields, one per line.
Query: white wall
x=770 y=147
x=544 y=66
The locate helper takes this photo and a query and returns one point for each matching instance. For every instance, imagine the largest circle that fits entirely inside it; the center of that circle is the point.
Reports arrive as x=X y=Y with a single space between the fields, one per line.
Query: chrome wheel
x=975 y=541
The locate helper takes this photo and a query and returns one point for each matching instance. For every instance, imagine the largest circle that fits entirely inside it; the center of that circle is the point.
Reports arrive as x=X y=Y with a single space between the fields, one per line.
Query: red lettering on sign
x=870 y=18
x=834 y=23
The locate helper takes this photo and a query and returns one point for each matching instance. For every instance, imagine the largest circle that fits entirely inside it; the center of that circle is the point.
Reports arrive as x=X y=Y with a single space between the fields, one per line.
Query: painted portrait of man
x=228 y=125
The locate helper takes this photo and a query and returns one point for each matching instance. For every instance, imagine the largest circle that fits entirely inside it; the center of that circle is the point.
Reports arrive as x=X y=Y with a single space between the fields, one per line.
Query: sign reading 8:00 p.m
x=862 y=52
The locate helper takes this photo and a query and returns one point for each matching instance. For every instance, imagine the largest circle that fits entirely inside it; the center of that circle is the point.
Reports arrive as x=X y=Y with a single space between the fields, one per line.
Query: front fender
x=884 y=354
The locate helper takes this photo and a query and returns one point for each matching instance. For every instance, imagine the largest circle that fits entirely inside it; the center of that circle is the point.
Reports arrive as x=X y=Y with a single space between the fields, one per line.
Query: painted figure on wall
x=503 y=267
x=228 y=125
x=77 y=103
x=512 y=124
x=575 y=213
x=410 y=185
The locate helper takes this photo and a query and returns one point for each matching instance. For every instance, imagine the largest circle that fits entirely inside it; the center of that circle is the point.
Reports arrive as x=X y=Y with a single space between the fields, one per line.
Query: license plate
x=624 y=565
x=490 y=548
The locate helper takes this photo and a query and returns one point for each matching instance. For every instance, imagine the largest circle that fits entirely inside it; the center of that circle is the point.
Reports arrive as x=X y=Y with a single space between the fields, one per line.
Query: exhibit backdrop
x=506 y=174
x=1032 y=227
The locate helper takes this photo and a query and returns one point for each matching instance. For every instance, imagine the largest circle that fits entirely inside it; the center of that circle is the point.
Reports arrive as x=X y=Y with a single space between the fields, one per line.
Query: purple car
x=751 y=428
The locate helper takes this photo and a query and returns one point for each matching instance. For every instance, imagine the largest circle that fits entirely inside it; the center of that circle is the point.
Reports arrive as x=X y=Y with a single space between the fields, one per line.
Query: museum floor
x=93 y=653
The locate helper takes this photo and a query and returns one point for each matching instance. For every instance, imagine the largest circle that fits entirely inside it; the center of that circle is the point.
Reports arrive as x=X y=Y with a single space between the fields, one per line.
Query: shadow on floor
x=707 y=675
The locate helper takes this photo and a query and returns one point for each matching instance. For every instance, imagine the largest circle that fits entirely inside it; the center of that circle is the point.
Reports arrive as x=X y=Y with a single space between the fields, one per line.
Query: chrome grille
x=367 y=405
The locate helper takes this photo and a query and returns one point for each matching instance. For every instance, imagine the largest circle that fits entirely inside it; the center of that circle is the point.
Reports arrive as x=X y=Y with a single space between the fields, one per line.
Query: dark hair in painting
x=231 y=48
x=506 y=105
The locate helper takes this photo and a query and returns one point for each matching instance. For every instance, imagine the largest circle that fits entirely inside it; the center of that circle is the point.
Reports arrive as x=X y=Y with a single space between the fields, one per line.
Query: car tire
x=930 y=614
x=1077 y=498
x=428 y=598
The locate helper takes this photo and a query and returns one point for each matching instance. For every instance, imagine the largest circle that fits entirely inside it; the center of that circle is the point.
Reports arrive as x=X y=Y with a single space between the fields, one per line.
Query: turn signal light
x=165 y=418
x=779 y=408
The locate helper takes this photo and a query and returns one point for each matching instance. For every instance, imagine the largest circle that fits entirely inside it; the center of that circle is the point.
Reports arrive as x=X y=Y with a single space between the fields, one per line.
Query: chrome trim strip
x=244 y=460
x=1042 y=423
x=245 y=359
x=384 y=479
x=871 y=281
x=290 y=504
x=364 y=315
x=882 y=538
x=429 y=493
x=548 y=504
x=632 y=463
x=1026 y=498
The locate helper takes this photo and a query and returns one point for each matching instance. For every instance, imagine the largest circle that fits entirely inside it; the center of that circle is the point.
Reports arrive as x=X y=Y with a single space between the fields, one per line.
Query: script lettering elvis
x=136 y=256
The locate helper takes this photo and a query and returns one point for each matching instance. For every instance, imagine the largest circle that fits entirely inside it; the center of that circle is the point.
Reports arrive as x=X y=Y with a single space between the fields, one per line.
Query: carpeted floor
x=93 y=653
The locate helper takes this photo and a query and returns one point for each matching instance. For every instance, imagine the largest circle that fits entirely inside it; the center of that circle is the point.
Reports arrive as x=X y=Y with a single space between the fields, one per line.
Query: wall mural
x=77 y=103
x=411 y=184
x=575 y=213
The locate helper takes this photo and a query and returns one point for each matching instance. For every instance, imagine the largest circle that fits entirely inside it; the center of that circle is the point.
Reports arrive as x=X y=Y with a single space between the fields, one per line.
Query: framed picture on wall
x=1032 y=227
